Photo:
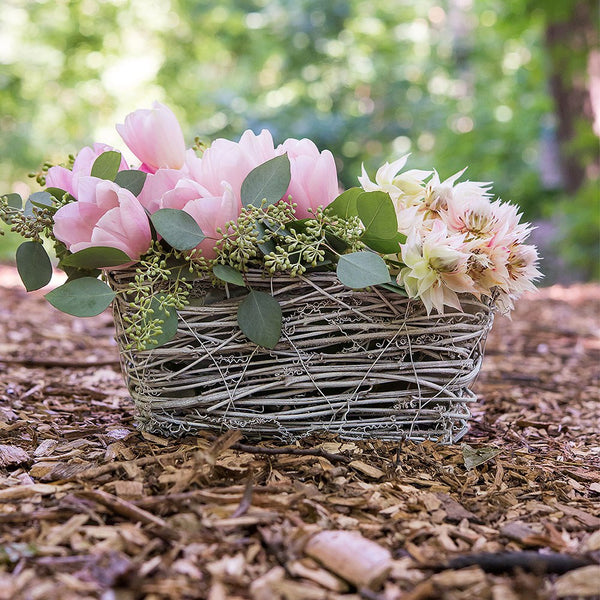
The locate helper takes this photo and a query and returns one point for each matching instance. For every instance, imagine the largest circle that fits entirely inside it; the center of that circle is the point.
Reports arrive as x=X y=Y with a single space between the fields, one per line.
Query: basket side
x=363 y=364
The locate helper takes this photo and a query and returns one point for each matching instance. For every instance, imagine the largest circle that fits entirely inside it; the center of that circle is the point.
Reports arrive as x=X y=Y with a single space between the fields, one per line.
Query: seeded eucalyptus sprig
x=161 y=285
x=348 y=237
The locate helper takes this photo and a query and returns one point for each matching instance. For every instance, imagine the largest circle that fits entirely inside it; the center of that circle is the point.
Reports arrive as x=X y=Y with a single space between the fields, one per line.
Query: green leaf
x=84 y=297
x=14 y=200
x=75 y=273
x=33 y=265
x=177 y=228
x=229 y=274
x=96 y=258
x=337 y=243
x=298 y=225
x=393 y=287
x=362 y=269
x=259 y=318
x=344 y=205
x=106 y=166
x=378 y=214
x=473 y=457
x=266 y=246
x=169 y=326
x=59 y=194
x=42 y=200
x=132 y=180
x=383 y=245
x=268 y=181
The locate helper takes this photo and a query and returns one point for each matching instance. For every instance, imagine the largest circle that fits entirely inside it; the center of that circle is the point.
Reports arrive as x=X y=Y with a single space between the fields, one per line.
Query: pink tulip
x=210 y=212
x=155 y=137
x=227 y=162
x=104 y=215
x=313 y=176
x=67 y=180
x=156 y=185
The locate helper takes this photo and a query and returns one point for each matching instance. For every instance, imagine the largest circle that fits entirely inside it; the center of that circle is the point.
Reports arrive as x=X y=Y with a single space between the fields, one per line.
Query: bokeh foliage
x=455 y=82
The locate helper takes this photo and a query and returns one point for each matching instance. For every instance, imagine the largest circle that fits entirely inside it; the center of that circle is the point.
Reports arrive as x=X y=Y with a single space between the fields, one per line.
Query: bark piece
x=351 y=556
x=12 y=455
x=584 y=582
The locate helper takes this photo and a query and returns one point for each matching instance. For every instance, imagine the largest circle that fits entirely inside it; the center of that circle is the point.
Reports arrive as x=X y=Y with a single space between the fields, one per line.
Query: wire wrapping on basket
x=358 y=363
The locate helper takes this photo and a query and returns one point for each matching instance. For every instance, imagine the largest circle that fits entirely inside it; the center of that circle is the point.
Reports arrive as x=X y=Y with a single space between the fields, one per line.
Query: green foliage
x=259 y=318
x=267 y=183
x=82 y=297
x=160 y=321
x=33 y=265
x=583 y=226
x=106 y=166
x=132 y=180
x=344 y=205
x=96 y=257
x=178 y=228
x=228 y=274
x=362 y=269
x=378 y=215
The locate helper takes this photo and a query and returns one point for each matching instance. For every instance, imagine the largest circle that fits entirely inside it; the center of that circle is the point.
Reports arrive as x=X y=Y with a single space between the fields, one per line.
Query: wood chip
x=584 y=583
x=367 y=469
x=12 y=455
x=351 y=556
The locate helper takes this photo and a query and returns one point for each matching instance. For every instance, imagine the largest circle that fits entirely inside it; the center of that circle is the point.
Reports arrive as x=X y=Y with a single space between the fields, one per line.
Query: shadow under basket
x=361 y=364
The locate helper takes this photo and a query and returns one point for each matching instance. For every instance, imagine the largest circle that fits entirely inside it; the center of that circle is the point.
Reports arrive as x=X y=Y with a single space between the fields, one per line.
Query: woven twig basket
x=363 y=364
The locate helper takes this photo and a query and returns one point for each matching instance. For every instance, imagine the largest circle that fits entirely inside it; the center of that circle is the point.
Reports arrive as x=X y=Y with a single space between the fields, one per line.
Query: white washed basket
x=362 y=364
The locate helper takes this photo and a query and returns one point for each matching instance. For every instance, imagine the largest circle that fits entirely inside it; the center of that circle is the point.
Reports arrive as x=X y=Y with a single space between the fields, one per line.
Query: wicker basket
x=363 y=364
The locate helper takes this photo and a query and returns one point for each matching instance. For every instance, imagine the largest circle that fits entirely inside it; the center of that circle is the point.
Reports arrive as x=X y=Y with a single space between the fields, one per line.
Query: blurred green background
x=500 y=86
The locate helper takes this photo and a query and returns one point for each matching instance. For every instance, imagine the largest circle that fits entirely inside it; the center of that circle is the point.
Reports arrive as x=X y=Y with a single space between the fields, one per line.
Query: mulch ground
x=91 y=508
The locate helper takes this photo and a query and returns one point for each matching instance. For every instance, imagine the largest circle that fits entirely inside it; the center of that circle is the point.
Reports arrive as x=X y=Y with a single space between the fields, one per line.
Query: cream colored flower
x=405 y=189
x=436 y=268
x=439 y=195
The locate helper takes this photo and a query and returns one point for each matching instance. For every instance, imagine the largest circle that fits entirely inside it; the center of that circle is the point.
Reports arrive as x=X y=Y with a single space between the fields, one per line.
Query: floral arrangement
x=221 y=210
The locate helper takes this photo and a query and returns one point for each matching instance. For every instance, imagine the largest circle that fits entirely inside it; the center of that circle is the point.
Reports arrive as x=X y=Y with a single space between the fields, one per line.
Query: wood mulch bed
x=91 y=508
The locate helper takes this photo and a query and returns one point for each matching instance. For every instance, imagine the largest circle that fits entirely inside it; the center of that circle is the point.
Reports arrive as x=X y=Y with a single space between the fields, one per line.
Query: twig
x=130 y=511
x=246 y=501
x=529 y=561
x=294 y=451
x=109 y=468
x=67 y=363
x=208 y=495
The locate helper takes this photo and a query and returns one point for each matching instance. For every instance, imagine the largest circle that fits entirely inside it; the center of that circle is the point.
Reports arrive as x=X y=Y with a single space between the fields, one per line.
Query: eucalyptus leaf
x=33 y=265
x=41 y=200
x=76 y=273
x=96 y=258
x=14 y=200
x=106 y=166
x=83 y=297
x=298 y=225
x=132 y=180
x=392 y=287
x=344 y=205
x=383 y=245
x=378 y=214
x=170 y=322
x=268 y=182
x=266 y=246
x=59 y=194
x=362 y=269
x=229 y=274
x=259 y=318
x=178 y=228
